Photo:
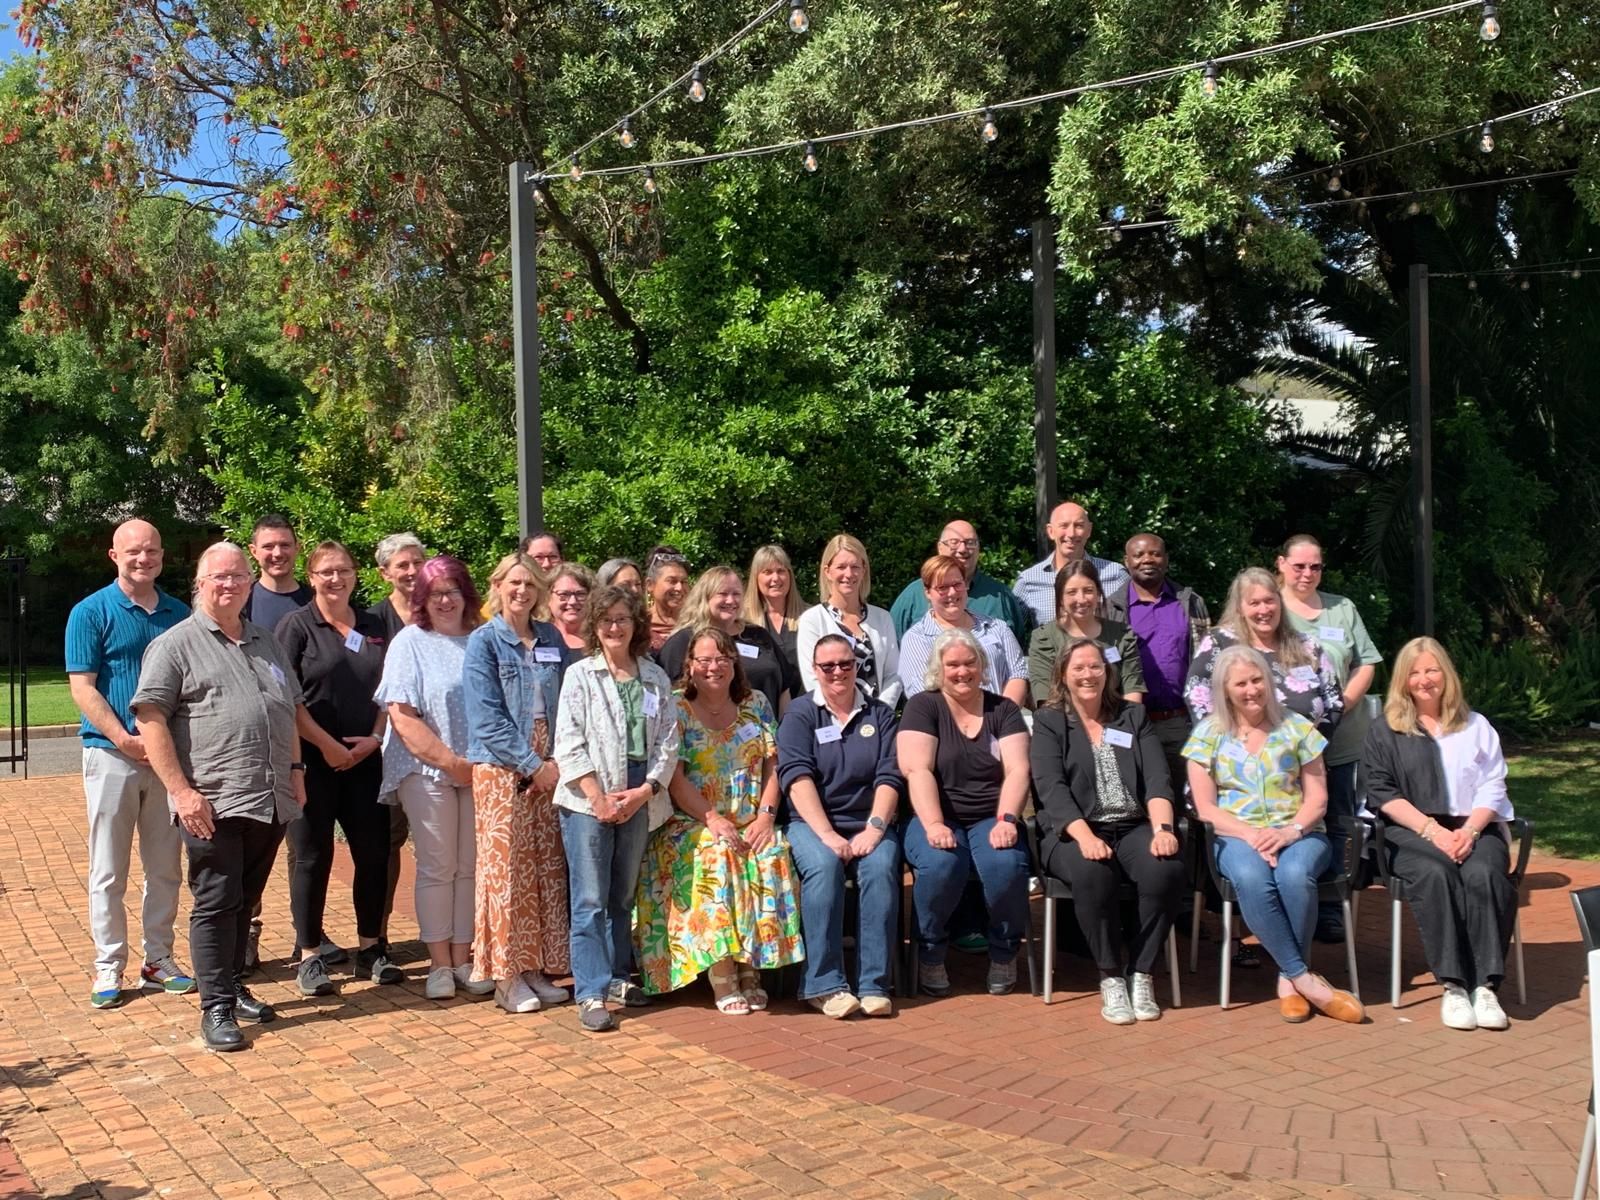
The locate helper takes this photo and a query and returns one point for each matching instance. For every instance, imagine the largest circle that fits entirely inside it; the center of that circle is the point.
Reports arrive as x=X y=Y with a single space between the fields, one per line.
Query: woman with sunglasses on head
x=666 y=583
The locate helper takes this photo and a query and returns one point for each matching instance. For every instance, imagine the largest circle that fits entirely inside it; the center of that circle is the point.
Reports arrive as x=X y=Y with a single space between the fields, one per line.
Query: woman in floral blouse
x=718 y=893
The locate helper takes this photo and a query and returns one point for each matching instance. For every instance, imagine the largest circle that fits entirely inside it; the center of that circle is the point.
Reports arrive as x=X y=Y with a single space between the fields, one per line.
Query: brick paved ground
x=379 y=1092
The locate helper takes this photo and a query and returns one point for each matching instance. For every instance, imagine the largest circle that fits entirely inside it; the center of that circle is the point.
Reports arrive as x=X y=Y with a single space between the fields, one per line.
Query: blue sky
x=8 y=41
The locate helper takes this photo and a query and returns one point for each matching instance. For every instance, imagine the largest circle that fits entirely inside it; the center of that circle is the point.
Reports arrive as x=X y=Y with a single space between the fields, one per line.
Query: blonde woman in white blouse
x=844 y=581
x=1436 y=773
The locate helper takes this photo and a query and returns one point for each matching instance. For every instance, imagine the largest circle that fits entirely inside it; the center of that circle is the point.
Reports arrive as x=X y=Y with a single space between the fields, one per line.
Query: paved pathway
x=379 y=1092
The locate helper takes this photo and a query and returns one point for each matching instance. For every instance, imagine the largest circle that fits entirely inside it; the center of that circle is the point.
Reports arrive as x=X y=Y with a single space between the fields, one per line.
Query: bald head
x=136 y=549
x=959 y=540
x=1069 y=530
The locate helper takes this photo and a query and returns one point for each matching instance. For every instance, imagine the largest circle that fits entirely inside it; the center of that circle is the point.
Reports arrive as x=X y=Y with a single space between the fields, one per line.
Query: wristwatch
x=878 y=823
x=1011 y=819
x=297 y=766
x=1164 y=829
x=1299 y=829
x=655 y=787
x=769 y=810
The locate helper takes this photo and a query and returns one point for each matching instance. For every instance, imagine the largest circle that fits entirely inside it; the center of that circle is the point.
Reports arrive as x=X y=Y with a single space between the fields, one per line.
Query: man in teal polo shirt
x=107 y=633
x=986 y=595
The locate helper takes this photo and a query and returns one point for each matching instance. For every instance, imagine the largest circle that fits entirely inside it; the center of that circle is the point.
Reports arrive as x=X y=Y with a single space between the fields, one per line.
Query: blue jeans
x=1279 y=903
x=602 y=873
x=941 y=877
x=822 y=877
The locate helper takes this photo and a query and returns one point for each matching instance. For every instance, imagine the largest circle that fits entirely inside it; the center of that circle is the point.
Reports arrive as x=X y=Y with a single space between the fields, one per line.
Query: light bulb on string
x=1486 y=137
x=1208 y=82
x=1116 y=231
x=990 y=130
x=1489 y=30
x=697 y=84
x=810 y=159
x=576 y=173
x=650 y=180
x=1577 y=274
x=1526 y=285
x=1335 y=184
x=1472 y=285
x=625 y=135
x=1414 y=209
x=798 y=21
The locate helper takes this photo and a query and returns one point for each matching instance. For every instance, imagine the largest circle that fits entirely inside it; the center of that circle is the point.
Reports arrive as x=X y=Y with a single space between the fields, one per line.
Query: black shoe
x=220 y=1030
x=372 y=962
x=247 y=1008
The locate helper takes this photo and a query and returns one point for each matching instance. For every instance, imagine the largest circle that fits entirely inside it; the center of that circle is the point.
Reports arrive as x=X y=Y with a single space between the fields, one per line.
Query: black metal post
x=1044 y=377
x=525 y=338
x=1421 y=455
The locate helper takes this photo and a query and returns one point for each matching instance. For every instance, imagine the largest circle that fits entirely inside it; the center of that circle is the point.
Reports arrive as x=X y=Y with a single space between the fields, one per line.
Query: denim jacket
x=501 y=681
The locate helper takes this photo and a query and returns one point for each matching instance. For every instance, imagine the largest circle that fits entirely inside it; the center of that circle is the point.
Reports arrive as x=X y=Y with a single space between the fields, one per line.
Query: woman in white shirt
x=844 y=581
x=1436 y=773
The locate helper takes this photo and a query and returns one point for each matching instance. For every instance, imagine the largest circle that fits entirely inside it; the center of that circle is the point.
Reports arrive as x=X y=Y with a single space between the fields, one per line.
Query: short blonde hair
x=1289 y=647
x=1400 y=710
x=755 y=609
x=1222 y=702
x=503 y=568
x=933 y=677
x=843 y=543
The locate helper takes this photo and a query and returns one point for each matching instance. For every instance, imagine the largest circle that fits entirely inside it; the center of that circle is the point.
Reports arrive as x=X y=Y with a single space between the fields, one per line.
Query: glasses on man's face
x=836 y=668
x=569 y=597
x=714 y=660
x=330 y=573
x=228 y=578
x=956 y=543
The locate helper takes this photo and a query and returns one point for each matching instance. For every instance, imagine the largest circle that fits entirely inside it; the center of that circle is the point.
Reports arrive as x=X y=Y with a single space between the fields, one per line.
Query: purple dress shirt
x=1162 y=628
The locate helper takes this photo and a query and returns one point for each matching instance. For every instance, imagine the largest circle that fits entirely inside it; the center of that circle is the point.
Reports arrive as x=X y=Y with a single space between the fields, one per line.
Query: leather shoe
x=1294 y=1008
x=247 y=1008
x=1342 y=1006
x=219 y=1030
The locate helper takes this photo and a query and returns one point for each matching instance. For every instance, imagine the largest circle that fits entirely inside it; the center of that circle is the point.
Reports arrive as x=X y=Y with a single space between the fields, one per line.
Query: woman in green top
x=1338 y=628
x=1080 y=603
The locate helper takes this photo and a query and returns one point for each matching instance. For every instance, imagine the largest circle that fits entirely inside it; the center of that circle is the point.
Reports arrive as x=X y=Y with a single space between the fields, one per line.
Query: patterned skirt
x=521 y=920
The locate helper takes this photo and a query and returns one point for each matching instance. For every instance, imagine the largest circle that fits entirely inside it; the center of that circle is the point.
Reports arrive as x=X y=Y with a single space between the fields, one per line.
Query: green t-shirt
x=631 y=692
x=1340 y=631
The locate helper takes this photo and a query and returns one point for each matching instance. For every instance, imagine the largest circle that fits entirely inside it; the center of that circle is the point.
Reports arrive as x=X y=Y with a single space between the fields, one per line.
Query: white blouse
x=1475 y=769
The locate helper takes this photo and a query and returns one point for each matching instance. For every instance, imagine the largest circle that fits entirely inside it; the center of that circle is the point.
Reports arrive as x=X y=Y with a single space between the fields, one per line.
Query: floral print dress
x=1313 y=691
x=699 y=901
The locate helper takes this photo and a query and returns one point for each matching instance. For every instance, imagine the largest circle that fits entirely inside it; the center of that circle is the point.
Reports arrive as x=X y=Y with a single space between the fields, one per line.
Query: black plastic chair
x=1586 y=903
x=1334 y=887
x=1521 y=834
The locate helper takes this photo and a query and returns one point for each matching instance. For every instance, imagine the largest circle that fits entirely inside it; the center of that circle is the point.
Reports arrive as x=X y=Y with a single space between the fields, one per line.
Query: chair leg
x=1194 y=932
x=1522 y=971
x=1580 y=1186
x=1227 y=949
x=1350 y=947
x=1172 y=967
x=1027 y=948
x=1049 y=948
x=1394 y=954
x=1355 y=905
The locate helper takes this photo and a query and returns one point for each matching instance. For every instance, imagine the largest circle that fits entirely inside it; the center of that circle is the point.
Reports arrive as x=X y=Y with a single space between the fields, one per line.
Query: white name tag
x=1236 y=751
x=994 y=747
x=652 y=704
x=1330 y=633
x=827 y=734
x=547 y=654
x=1119 y=737
x=747 y=731
x=277 y=673
x=746 y=650
x=353 y=642
x=1304 y=674
x=1113 y=655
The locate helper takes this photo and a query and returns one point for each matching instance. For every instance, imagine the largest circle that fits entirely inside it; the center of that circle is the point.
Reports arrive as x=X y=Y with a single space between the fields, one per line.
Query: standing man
x=216 y=708
x=1069 y=530
x=277 y=593
x=544 y=548
x=986 y=595
x=400 y=556
x=106 y=638
x=1169 y=621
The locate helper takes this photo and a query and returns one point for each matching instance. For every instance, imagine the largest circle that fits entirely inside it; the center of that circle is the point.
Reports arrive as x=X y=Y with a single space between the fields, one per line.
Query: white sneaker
x=1456 y=1009
x=515 y=996
x=1114 y=1005
x=469 y=985
x=1145 y=1007
x=441 y=984
x=1486 y=1008
x=548 y=993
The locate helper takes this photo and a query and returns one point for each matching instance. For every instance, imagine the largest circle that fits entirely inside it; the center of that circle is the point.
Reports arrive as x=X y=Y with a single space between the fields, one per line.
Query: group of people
x=635 y=778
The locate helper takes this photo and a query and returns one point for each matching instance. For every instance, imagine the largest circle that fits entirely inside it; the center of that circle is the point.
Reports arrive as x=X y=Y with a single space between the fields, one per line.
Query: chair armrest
x=1522 y=830
x=1380 y=853
x=1209 y=850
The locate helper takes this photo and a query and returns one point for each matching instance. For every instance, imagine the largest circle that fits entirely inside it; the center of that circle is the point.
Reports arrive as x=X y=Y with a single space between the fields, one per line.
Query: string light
x=810 y=159
x=650 y=181
x=1335 y=184
x=1472 y=285
x=798 y=21
x=1486 y=137
x=697 y=84
x=1490 y=29
x=1116 y=231
x=1414 y=209
x=1208 y=84
x=990 y=130
x=625 y=135
x=577 y=172
x=1577 y=274
x=1526 y=285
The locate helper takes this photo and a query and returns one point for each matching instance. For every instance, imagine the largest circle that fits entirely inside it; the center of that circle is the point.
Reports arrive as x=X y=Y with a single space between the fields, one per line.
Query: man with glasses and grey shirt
x=216 y=708
x=986 y=595
x=1069 y=530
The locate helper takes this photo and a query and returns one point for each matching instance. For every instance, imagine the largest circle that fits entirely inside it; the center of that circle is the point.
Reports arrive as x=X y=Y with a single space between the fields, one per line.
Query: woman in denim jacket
x=512 y=679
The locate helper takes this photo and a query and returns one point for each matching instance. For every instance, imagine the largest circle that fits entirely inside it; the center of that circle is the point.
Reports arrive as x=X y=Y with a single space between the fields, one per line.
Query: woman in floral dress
x=717 y=894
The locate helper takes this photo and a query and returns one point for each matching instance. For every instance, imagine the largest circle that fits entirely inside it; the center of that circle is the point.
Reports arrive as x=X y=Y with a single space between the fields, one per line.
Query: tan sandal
x=750 y=985
x=724 y=979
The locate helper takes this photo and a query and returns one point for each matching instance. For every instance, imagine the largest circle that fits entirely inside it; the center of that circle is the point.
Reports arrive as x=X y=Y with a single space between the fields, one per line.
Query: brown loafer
x=1342 y=1006
x=1294 y=1008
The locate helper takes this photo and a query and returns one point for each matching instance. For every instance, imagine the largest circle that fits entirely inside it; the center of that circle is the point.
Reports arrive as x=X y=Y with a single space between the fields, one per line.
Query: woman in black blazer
x=1106 y=817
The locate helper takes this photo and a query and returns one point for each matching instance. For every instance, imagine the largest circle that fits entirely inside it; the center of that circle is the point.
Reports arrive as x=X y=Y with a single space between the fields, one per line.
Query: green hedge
x=1533 y=692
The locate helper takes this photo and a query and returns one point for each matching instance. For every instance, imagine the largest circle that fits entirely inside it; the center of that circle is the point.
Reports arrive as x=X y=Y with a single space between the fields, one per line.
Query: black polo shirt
x=337 y=677
x=384 y=611
x=764 y=664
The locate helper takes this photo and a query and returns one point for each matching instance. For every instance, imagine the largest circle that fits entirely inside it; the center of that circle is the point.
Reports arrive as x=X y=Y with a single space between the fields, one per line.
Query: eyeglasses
x=836 y=668
x=960 y=543
x=569 y=597
x=716 y=660
x=948 y=587
x=616 y=623
x=227 y=578
x=453 y=595
x=1311 y=568
x=334 y=573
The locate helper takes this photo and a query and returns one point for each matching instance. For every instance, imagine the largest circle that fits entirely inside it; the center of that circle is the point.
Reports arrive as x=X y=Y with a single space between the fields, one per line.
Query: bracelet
x=1426 y=832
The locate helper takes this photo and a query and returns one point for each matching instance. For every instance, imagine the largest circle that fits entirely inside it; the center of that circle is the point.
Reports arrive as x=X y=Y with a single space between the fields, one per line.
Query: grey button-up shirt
x=231 y=707
x=1036 y=587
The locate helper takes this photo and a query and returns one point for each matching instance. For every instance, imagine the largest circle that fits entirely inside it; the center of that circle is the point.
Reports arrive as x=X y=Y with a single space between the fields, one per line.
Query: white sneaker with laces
x=441 y=984
x=515 y=996
x=469 y=985
x=1145 y=1007
x=548 y=993
x=1456 y=1008
x=1486 y=1008
x=1114 y=1005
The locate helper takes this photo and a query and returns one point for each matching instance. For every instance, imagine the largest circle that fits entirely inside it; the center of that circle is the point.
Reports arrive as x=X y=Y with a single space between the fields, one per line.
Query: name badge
x=1120 y=738
x=827 y=734
x=746 y=650
x=277 y=673
x=547 y=654
x=1113 y=655
x=1236 y=751
x=1330 y=633
x=746 y=732
x=353 y=642
x=994 y=747
x=652 y=704
x=1304 y=674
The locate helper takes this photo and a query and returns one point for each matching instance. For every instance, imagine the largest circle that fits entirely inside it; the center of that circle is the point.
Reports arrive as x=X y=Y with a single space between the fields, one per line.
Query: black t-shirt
x=764 y=664
x=266 y=607
x=968 y=770
x=384 y=611
x=338 y=682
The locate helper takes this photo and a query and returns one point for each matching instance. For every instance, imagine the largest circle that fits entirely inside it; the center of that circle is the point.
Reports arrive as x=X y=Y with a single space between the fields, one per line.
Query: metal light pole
x=525 y=339
x=1044 y=376
x=1421 y=455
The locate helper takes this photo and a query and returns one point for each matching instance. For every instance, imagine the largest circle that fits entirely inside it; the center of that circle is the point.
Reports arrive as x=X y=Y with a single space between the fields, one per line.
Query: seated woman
x=836 y=765
x=1437 y=776
x=1080 y=605
x=1255 y=773
x=717 y=891
x=1105 y=816
x=964 y=754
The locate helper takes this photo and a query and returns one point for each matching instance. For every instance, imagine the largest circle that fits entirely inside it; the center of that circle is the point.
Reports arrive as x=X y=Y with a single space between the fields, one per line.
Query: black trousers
x=1095 y=895
x=350 y=798
x=1464 y=912
x=228 y=871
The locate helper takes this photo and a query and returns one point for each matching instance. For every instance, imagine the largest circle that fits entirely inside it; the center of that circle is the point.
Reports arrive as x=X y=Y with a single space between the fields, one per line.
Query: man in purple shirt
x=1169 y=622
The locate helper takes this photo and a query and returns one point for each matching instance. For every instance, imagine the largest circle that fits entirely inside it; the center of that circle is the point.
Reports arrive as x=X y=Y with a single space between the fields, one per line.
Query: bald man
x=986 y=595
x=106 y=638
x=1069 y=530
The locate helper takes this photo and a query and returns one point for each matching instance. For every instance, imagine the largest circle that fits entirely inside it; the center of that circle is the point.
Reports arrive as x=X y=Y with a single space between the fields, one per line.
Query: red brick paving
x=381 y=1093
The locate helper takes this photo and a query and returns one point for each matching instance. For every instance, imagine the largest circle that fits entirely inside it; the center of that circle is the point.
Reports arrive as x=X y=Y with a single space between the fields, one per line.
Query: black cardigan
x=1402 y=766
x=1063 y=767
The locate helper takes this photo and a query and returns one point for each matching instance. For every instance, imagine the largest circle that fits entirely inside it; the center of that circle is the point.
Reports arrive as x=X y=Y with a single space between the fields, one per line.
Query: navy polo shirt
x=847 y=770
x=107 y=634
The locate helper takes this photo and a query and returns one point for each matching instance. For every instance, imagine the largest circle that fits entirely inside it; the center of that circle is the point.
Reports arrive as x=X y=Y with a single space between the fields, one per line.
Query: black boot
x=219 y=1029
x=248 y=1008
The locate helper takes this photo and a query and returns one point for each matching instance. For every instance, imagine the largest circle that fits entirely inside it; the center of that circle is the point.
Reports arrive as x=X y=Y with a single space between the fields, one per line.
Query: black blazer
x=1397 y=765
x=1063 y=767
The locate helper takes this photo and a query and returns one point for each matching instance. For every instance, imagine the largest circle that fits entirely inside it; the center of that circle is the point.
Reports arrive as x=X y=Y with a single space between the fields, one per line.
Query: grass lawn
x=48 y=700
x=1554 y=785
